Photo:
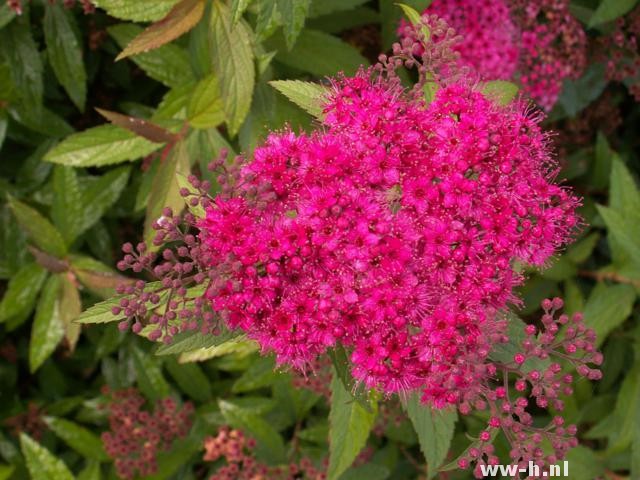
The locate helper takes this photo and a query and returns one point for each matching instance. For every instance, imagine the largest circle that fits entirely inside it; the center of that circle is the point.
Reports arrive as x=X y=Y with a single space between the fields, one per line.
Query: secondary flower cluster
x=237 y=451
x=539 y=43
x=136 y=435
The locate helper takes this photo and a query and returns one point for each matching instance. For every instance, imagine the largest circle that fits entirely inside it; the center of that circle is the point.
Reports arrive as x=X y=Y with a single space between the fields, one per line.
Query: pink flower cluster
x=392 y=232
x=136 y=435
x=538 y=43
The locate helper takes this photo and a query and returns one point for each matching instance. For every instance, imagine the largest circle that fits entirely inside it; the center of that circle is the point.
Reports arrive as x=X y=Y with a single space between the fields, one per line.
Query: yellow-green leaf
x=206 y=107
x=38 y=228
x=47 y=329
x=307 y=95
x=41 y=463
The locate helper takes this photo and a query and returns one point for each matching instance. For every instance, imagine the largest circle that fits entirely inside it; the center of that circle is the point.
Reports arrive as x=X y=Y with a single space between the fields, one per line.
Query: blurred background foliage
x=76 y=183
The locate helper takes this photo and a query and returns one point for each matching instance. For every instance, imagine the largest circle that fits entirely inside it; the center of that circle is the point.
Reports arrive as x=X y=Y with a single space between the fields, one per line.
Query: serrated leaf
x=101 y=312
x=168 y=64
x=99 y=146
x=206 y=107
x=70 y=309
x=140 y=127
x=269 y=444
x=136 y=10
x=435 y=429
x=80 y=439
x=607 y=308
x=236 y=72
x=626 y=411
x=197 y=210
x=260 y=374
x=293 y=14
x=504 y=352
x=189 y=341
x=500 y=91
x=350 y=424
x=321 y=54
x=180 y=19
x=624 y=236
x=584 y=464
x=39 y=229
x=47 y=329
x=240 y=345
x=624 y=195
x=19 y=49
x=64 y=52
x=100 y=279
x=191 y=380
x=307 y=95
x=268 y=19
x=165 y=191
x=101 y=194
x=609 y=10
x=237 y=9
x=22 y=291
x=67 y=208
x=149 y=375
x=41 y=463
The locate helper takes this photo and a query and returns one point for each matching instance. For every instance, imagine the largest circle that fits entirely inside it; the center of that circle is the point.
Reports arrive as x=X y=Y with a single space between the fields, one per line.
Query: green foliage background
x=73 y=188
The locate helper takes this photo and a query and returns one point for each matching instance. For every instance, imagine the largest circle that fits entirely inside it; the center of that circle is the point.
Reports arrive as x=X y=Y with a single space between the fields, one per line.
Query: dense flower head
x=137 y=435
x=538 y=43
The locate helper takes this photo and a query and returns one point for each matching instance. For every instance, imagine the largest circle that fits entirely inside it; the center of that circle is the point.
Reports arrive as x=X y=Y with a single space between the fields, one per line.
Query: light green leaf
x=99 y=146
x=6 y=471
x=47 y=329
x=6 y=15
x=65 y=52
x=206 y=107
x=607 y=308
x=91 y=471
x=240 y=346
x=136 y=10
x=237 y=9
x=269 y=443
x=411 y=13
x=350 y=424
x=307 y=95
x=626 y=412
x=624 y=195
x=19 y=49
x=581 y=250
x=191 y=379
x=83 y=441
x=22 y=292
x=70 y=309
x=189 y=341
x=165 y=191
x=609 y=10
x=68 y=207
x=293 y=14
x=39 y=229
x=236 y=71
x=321 y=54
x=168 y=64
x=624 y=236
x=42 y=464
x=101 y=312
x=584 y=464
x=435 y=429
x=500 y=91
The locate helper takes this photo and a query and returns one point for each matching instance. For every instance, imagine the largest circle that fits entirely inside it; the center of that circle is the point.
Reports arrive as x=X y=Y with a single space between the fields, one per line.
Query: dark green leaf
x=624 y=194
x=91 y=471
x=578 y=94
x=83 y=441
x=6 y=15
x=191 y=379
x=609 y=10
x=149 y=375
x=236 y=72
x=22 y=292
x=65 y=52
x=101 y=194
x=42 y=464
x=67 y=210
x=368 y=471
x=435 y=429
x=47 y=330
x=260 y=374
x=293 y=14
x=325 y=7
x=42 y=233
x=168 y=64
x=608 y=307
x=350 y=424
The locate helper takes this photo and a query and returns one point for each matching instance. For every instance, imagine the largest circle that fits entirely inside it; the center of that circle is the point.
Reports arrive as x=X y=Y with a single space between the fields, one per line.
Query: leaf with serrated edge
x=293 y=14
x=23 y=290
x=307 y=95
x=38 y=228
x=78 y=438
x=47 y=329
x=41 y=463
x=70 y=309
x=206 y=107
x=180 y=19
x=142 y=128
x=136 y=10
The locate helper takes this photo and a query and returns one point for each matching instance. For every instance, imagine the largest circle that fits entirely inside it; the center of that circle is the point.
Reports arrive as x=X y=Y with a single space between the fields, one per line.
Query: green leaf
x=320 y=8
x=140 y=127
x=168 y=64
x=189 y=341
x=578 y=94
x=206 y=107
x=191 y=379
x=293 y=14
x=239 y=345
x=607 y=308
x=65 y=52
x=307 y=95
x=136 y=10
x=149 y=375
x=100 y=195
x=6 y=471
x=584 y=464
x=47 y=329
x=609 y=10
x=4 y=122
x=321 y=54
x=500 y=91
x=350 y=424
x=182 y=18
x=99 y=146
x=165 y=191
x=626 y=412
x=70 y=309
x=39 y=229
x=6 y=15
x=19 y=49
x=624 y=236
x=67 y=209
x=411 y=13
x=268 y=19
x=260 y=374
x=83 y=441
x=237 y=9
x=42 y=464
x=504 y=352
x=101 y=312
x=624 y=195
x=269 y=444
x=368 y=471
x=91 y=471
x=435 y=429
x=236 y=71
x=22 y=292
